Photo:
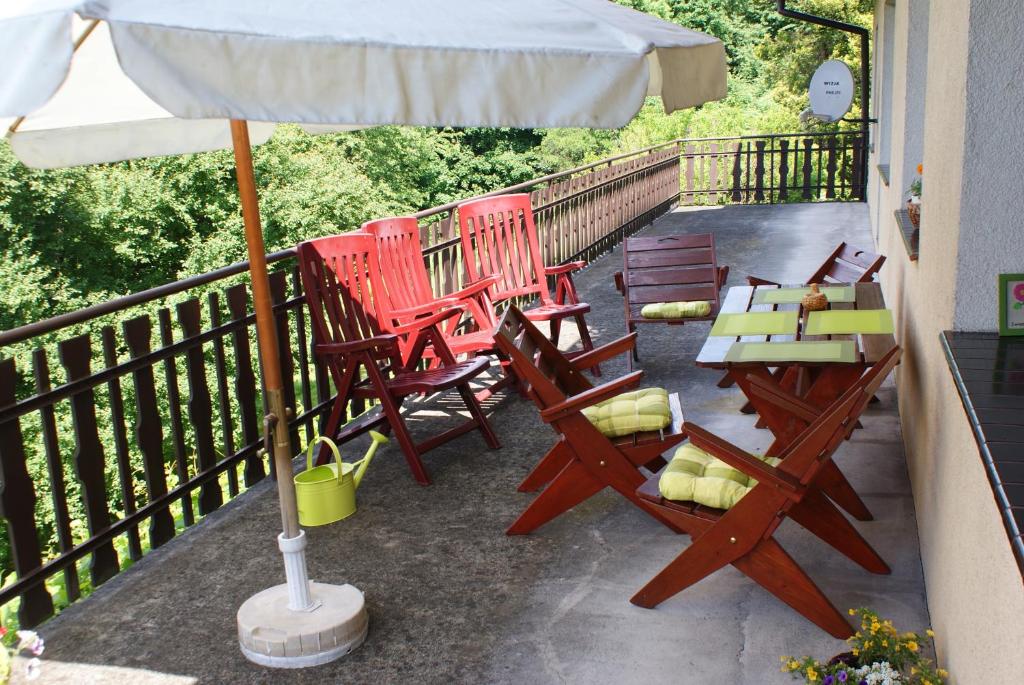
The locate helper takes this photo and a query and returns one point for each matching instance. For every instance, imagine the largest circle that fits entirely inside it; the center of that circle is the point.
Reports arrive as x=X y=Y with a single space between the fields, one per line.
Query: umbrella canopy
x=529 y=63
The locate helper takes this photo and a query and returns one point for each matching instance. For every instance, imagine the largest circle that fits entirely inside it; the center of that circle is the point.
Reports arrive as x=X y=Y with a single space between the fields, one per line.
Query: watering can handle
x=334 y=450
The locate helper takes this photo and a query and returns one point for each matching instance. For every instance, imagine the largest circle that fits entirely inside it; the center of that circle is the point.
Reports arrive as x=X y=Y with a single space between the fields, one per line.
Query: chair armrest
x=763 y=390
x=475 y=287
x=428 y=321
x=563 y=268
x=425 y=308
x=590 y=397
x=387 y=340
x=604 y=352
x=754 y=280
x=740 y=460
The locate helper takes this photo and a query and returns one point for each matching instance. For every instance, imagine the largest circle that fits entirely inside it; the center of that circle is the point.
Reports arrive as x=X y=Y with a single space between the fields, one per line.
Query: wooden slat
x=245 y=382
x=873 y=347
x=149 y=428
x=227 y=428
x=830 y=169
x=759 y=171
x=671 y=293
x=55 y=469
x=783 y=169
x=842 y=273
x=669 y=258
x=18 y=504
x=174 y=407
x=200 y=406
x=691 y=240
x=805 y=184
x=663 y=276
x=124 y=468
x=75 y=355
x=858 y=257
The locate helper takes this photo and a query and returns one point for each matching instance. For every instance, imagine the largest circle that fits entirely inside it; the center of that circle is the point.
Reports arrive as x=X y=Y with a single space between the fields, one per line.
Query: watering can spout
x=378 y=440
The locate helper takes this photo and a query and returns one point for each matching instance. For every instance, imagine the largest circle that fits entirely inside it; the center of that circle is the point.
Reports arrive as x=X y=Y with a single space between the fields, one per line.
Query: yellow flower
x=875 y=625
x=885 y=643
x=856 y=651
x=942 y=672
x=912 y=646
x=793 y=665
x=913 y=670
x=852 y=612
x=929 y=633
x=812 y=675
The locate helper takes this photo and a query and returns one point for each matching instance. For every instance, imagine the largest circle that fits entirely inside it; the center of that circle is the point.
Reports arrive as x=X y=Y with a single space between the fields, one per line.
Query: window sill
x=911 y=236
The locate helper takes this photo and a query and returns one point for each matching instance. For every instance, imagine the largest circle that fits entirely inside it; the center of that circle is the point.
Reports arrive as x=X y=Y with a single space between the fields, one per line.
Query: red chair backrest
x=336 y=277
x=499 y=238
x=401 y=260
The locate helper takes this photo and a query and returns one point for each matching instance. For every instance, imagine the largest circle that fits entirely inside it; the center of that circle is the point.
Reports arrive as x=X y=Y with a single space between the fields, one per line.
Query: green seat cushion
x=675 y=310
x=693 y=475
x=631 y=412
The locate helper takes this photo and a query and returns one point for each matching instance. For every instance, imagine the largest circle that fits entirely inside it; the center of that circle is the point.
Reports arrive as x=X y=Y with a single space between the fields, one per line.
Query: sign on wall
x=831 y=90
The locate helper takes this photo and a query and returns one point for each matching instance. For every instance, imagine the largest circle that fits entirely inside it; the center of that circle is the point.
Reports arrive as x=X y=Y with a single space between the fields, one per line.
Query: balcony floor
x=452 y=599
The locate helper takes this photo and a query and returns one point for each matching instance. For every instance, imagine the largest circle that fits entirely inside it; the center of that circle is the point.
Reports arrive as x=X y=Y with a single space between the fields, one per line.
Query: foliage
x=879 y=655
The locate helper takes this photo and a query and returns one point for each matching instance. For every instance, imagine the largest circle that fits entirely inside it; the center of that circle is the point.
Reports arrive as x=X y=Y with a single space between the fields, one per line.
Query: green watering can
x=327 y=493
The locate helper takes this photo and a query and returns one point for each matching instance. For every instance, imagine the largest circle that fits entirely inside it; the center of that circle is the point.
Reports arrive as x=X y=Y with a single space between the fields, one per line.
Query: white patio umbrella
x=184 y=67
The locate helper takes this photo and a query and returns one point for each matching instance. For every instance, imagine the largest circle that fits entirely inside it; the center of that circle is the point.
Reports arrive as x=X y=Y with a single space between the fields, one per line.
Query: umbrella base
x=271 y=634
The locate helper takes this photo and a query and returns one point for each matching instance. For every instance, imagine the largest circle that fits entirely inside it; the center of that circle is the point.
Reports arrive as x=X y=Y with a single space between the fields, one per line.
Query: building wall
x=975 y=593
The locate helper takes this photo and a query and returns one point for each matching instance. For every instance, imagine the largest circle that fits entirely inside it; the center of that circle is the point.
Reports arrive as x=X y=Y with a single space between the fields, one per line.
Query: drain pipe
x=864 y=73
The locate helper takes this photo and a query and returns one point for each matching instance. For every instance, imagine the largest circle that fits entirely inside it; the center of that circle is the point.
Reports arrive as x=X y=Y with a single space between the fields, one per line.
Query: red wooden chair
x=499 y=238
x=341 y=278
x=743 y=534
x=583 y=461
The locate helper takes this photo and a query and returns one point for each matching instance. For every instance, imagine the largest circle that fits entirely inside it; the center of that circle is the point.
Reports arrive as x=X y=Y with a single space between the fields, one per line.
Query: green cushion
x=631 y=412
x=693 y=475
x=675 y=310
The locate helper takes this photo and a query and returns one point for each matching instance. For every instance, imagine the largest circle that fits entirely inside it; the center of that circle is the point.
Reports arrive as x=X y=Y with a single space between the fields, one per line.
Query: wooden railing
x=123 y=423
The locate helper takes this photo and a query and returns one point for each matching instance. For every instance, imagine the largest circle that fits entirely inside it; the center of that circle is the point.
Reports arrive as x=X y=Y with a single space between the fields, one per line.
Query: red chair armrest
x=387 y=340
x=563 y=268
x=590 y=397
x=475 y=287
x=605 y=352
x=740 y=460
x=425 y=308
x=428 y=321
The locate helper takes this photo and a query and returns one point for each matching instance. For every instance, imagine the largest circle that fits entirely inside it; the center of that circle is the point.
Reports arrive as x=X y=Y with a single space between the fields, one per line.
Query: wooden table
x=817 y=383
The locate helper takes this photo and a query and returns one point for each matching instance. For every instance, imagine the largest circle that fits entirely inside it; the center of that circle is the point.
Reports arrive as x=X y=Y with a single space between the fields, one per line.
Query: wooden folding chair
x=846 y=264
x=583 y=461
x=743 y=535
x=409 y=296
x=786 y=415
x=341 y=278
x=673 y=268
x=499 y=239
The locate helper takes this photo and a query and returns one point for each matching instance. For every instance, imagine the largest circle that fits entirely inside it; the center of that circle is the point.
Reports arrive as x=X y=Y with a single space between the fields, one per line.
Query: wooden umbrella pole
x=266 y=330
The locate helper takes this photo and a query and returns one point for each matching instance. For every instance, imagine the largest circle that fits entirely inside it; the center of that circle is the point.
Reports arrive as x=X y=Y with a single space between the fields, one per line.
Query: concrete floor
x=453 y=600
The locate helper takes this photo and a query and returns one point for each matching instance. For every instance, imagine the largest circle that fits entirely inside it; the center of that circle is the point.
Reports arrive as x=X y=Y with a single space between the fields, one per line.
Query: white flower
x=34 y=669
x=30 y=640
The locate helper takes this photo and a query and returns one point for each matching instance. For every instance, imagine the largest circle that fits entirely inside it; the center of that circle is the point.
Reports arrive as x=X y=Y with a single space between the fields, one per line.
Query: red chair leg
x=772 y=568
x=550 y=465
x=818 y=515
x=482 y=424
x=573 y=485
x=835 y=485
x=586 y=342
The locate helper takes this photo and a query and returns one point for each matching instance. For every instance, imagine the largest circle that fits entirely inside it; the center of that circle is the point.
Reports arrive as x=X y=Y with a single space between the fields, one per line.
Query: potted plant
x=879 y=655
x=914 y=203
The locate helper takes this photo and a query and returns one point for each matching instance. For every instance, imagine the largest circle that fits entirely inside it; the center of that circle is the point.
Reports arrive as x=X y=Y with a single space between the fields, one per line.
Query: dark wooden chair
x=674 y=268
x=846 y=264
x=743 y=535
x=499 y=239
x=341 y=277
x=409 y=296
x=582 y=461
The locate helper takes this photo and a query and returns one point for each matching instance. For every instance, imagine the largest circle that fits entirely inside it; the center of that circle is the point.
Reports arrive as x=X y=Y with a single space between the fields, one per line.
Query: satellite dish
x=831 y=91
